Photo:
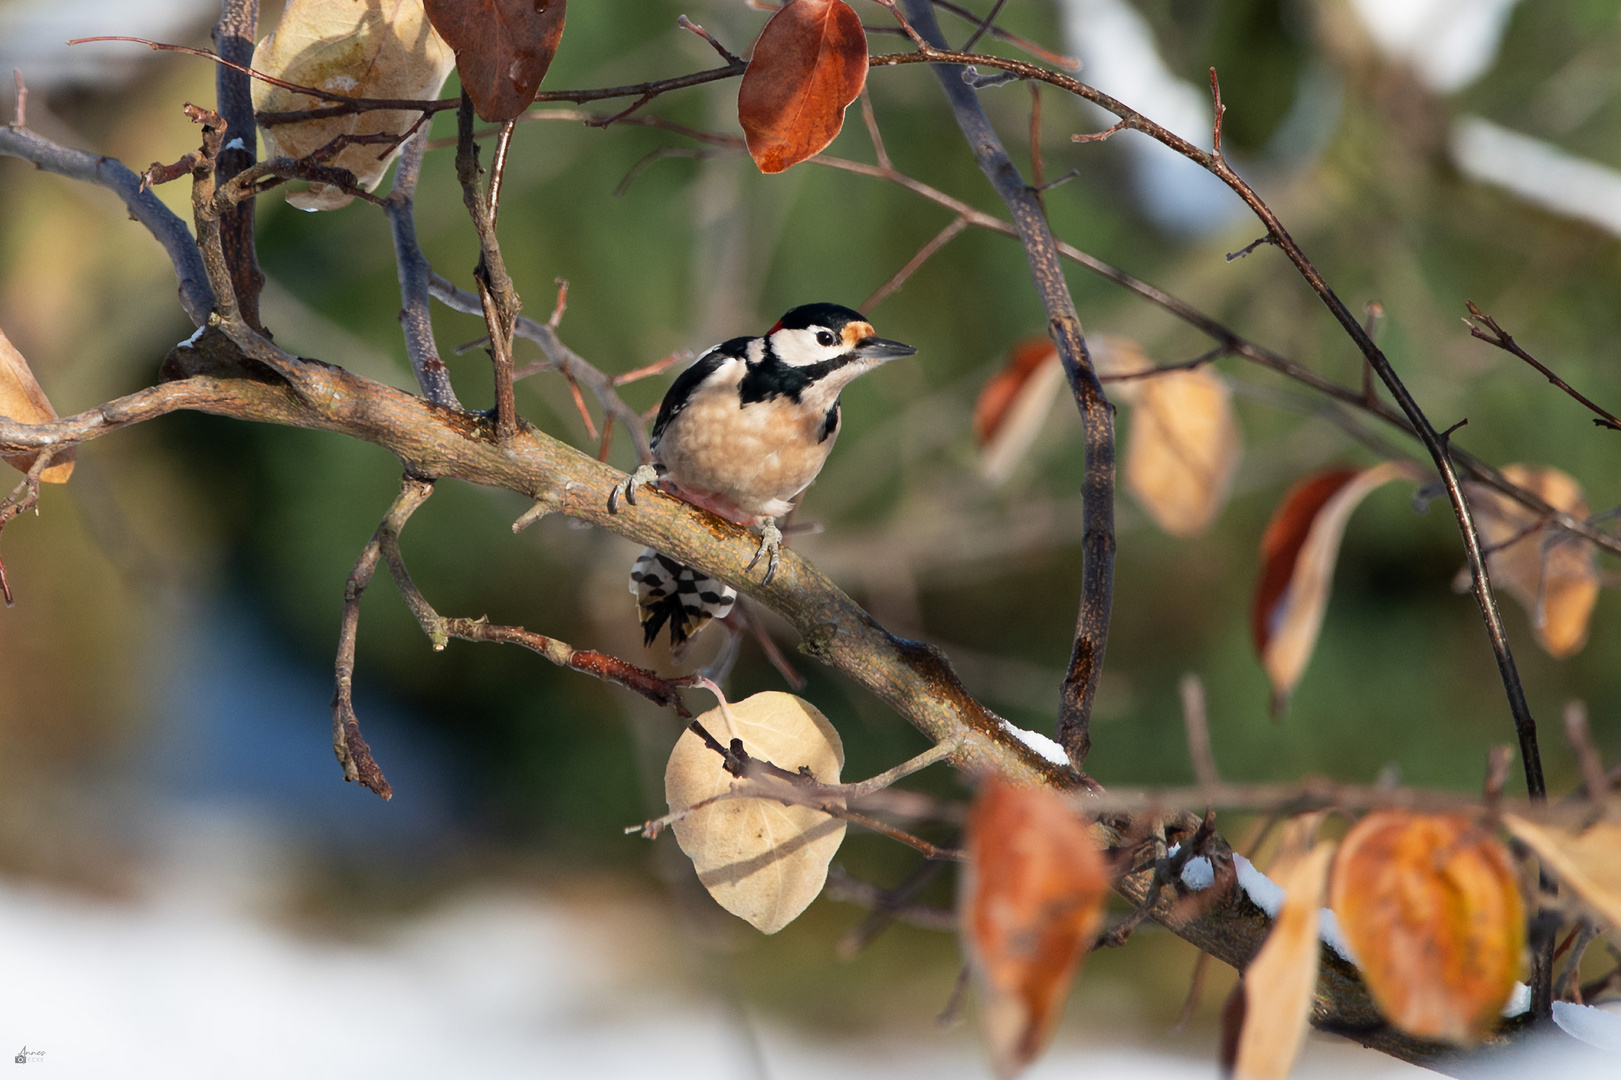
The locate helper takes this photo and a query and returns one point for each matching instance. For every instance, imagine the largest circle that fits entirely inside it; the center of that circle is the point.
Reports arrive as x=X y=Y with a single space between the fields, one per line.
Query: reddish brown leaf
x=22 y=399
x=1298 y=551
x=503 y=48
x=1032 y=899
x=809 y=63
x=1431 y=905
x=1553 y=575
x=1013 y=405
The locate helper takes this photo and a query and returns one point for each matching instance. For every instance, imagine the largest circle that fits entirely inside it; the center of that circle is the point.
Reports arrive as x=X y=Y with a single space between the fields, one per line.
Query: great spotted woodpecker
x=742 y=433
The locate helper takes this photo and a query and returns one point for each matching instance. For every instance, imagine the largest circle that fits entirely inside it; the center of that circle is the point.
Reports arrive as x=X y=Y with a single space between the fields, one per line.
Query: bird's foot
x=646 y=474
x=770 y=545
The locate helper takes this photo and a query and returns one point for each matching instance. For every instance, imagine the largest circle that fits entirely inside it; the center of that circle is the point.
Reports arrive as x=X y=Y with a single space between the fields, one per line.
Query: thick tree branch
x=234 y=36
x=1097 y=486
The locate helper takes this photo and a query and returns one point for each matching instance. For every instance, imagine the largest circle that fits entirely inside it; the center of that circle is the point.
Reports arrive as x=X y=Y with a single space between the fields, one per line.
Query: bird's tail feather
x=668 y=593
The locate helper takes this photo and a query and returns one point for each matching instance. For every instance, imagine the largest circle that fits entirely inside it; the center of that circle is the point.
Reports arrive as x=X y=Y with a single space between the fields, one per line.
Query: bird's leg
x=770 y=545
x=646 y=474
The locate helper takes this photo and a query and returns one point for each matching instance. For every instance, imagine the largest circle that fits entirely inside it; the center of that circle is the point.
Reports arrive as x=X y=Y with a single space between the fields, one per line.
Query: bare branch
x=145 y=207
x=234 y=36
x=912 y=266
x=1485 y=328
x=1097 y=486
x=416 y=316
x=498 y=299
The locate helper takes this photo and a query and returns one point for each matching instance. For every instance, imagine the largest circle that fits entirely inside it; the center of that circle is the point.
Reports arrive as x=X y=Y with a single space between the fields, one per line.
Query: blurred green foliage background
x=193 y=514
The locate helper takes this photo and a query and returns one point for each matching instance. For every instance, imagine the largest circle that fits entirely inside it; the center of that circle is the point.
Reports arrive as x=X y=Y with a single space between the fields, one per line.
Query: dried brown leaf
x=352 y=47
x=1298 y=552
x=21 y=399
x=1431 y=905
x=503 y=48
x=761 y=860
x=1011 y=408
x=809 y=64
x=1279 y=982
x=1589 y=860
x=1032 y=899
x=1553 y=575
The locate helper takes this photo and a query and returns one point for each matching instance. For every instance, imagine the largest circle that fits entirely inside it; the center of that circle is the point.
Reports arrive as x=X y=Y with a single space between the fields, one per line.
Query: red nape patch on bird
x=777 y=326
x=1281 y=543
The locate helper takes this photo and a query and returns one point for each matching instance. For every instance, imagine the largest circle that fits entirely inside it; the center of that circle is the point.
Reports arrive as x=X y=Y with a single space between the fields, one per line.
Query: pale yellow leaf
x=1553 y=575
x=359 y=48
x=1182 y=448
x=761 y=860
x=22 y=399
x=1588 y=861
x=1279 y=982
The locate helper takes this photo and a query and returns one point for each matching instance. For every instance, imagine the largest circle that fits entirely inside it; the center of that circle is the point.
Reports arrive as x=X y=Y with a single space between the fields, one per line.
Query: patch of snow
x=1329 y=932
x=234 y=144
x=1519 y=1000
x=195 y=334
x=1260 y=888
x=1039 y=743
x=1198 y=874
x=1538 y=172
x=1595 y=1027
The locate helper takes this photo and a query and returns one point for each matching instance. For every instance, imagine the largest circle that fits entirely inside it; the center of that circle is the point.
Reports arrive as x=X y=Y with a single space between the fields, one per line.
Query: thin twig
x=1587 y=755
x=416 y=315
x=983 y=27
x=1195 y=720
x=23 y=498
x=912 y=266
x=1485 y=328
x=498 y=299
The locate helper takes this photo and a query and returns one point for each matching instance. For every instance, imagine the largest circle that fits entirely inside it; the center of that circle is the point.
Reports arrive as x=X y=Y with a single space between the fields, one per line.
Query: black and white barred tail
x=667 y=592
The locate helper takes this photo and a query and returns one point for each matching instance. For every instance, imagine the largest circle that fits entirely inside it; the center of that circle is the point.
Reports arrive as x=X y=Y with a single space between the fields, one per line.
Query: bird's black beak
x=881 y=349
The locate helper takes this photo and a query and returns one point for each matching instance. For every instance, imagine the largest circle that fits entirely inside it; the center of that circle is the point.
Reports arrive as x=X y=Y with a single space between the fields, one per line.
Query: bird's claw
x=770 y=546
x=646 y=474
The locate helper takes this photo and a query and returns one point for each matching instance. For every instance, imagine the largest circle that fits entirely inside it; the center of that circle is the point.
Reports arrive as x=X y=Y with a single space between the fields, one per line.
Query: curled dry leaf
x=1554 y=575
x=1588 y=860
x=359 y=49
x=1279 y=982
x=761 y=860
x=503 y=48
x=809 y=64
x=1431 y=905
x=1012 y=406
x=1032 y=899
x=22 y=399
x=1298 y=551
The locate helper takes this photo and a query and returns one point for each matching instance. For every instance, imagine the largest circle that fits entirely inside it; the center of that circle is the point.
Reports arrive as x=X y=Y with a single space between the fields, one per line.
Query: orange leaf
x=22 y=399
x=1012 y=406
x=1554 y=576
x=503 y=48
x=1279 y=982
x=1298 y=551
x=809 y=63
x=1431 y=905
x=1032 y=900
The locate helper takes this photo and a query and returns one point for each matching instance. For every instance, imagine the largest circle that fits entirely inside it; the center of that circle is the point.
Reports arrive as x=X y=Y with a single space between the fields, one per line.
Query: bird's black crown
x=832 y=316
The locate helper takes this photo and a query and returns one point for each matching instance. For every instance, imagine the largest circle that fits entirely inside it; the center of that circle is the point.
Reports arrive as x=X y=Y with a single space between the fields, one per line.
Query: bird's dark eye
x=825 y=337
